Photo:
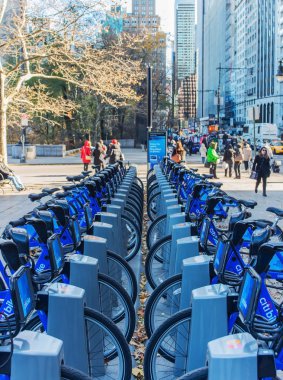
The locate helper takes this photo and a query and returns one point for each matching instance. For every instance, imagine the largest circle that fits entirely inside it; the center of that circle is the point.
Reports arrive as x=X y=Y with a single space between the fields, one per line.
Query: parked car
x=277 y=147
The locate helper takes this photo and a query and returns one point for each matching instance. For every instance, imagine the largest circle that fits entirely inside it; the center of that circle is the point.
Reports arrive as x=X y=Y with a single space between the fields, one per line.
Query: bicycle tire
x=120 y=352
x=134 y=238
x=69 y=373
x=160 y=295
x=160 y=356
x=132 y=214
x=155 y=263
x=197 y=374
x=154 y=230
x=126 y=313
x=139 y=183
x=151 y=211
x=130 y=277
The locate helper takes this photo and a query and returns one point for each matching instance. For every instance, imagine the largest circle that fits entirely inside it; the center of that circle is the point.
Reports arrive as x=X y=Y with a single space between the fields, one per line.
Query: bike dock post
x=186 y=247
x=84 y=274
x=66 y=303
x=96 y=247
x=112 y=219
x=195 y=274
x=35 y=356
x=174 y=219
x=233 y=357
x=106 y=231
x=117 y=210
x=178 y=231
x=209 y=302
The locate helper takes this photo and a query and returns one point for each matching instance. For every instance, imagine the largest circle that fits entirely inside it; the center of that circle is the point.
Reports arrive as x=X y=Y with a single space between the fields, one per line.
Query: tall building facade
x=242 y=36
x=143 y=17
x=185 y=38
x=211 y=54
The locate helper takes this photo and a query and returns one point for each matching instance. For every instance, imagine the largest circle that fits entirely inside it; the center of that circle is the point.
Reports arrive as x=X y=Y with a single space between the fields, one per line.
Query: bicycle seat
x=18 y=222
x=75 y=178
x=193 y=170
x=50 y=190
x=36 y=197
x=85 y=173
x=69 y=187
x=248 y=204
x=276 y=211
x=63 y=195
x=207 y=176
x=217 y=184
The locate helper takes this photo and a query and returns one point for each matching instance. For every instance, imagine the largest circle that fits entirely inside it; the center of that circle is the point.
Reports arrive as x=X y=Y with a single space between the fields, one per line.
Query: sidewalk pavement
x=132 y=155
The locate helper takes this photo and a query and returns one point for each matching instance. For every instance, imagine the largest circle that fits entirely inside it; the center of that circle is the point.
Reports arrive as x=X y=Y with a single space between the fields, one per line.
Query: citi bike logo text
x=269 y=313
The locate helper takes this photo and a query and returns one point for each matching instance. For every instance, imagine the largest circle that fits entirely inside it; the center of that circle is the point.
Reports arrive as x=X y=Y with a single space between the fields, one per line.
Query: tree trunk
x=3 y=118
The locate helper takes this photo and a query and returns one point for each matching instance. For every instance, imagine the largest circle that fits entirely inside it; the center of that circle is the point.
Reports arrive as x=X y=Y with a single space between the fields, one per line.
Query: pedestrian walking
x=115 y=154
x=99 y=155
x=228 y=159
x=261 y=166
x=212 y=158
x=7 y=173
x=203 y=152
x=86 y=153
x=180 y=150
x=247 y=153
x=176 y=157
x=238 y=158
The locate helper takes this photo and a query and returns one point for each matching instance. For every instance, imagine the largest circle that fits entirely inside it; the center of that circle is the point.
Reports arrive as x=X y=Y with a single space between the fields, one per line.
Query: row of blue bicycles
x=67 y=287
x=216 y=309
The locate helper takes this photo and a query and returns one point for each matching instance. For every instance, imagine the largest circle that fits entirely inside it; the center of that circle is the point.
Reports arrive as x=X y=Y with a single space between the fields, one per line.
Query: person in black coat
x=229 y=159
x=261 y=166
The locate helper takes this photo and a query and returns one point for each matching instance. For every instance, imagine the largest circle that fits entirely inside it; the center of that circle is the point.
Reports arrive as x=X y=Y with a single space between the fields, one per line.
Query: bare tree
x=60 y=44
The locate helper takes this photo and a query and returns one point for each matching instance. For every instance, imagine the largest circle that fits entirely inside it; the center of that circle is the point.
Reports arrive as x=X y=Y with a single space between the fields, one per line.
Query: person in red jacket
x=86 y=153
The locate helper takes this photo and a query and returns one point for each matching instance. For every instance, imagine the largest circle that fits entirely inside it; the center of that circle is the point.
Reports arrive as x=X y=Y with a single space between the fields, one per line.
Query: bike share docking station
x=35 y=356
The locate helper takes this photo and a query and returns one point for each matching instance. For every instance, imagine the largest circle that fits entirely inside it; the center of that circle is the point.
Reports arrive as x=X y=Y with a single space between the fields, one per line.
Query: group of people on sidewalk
x=233 y=158
x=100 y=153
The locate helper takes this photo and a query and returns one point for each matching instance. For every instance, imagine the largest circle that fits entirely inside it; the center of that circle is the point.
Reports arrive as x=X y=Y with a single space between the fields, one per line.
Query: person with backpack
x=98 y=155
x=247 y=153
x=238 y=158
x=114 y=152
x=212 y=158
x=228 y=159
x=261 y=166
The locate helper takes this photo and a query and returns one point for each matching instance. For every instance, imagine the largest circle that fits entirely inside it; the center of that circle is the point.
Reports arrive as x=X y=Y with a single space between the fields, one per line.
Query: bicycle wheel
x=68 y=373
x=102 y=334
x=117 y=305
x=198 y=374
x=132 y=214
x=132 y=236
x=157 y=262
x=121 y=271
x=156 y=230
x=153 y=206
x=166 y=351
x=162 y=303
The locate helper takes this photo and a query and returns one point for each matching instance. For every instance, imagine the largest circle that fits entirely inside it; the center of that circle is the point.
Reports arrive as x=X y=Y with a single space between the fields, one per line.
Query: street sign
x=156 y=147
x=24 y=120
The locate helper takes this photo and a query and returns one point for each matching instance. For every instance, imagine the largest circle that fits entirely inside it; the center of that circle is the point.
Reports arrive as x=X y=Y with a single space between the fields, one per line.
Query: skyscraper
x=185 y=38
x=143 y=17
x=144 y=7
